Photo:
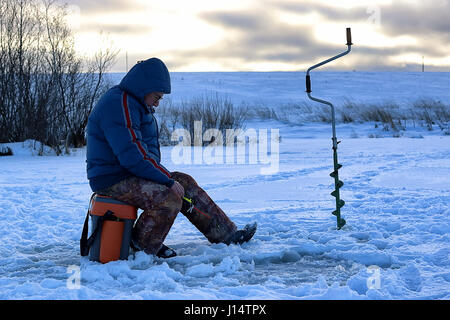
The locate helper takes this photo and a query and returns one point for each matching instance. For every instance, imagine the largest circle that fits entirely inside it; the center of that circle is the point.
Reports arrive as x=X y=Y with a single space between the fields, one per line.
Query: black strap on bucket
x=85 y=242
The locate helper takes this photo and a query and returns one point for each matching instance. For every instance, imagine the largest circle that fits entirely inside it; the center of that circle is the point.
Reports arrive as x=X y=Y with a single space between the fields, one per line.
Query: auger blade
x=341 y=223
x=341 y=203
x=334 y=173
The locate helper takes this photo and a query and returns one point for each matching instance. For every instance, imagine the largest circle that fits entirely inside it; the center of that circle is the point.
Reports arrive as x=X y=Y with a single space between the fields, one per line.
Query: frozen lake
x=397 y=192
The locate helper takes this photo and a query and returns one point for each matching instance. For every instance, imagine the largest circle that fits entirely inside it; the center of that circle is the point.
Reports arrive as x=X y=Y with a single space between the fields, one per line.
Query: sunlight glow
x=173 y=27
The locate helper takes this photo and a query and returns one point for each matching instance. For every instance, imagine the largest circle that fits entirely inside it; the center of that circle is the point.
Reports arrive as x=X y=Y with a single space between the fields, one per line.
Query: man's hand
x=178 y=189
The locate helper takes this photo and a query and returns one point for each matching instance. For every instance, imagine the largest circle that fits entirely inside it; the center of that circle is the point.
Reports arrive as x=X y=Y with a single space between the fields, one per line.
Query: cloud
x=104 y=6
x=256 y=36
x=329 y=11
x=116 y=28
x=429 y=16
x=400 y=17
x=427 y=21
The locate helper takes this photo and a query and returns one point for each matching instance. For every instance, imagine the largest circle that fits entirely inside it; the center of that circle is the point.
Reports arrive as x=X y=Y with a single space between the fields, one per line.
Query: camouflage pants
x=161 y=206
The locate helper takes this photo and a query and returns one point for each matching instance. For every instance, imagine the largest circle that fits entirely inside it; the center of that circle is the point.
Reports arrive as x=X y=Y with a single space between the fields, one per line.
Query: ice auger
x=335 y=174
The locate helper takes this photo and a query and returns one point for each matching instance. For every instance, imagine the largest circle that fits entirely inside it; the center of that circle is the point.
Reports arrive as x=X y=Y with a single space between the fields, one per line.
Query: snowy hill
x=277 y=89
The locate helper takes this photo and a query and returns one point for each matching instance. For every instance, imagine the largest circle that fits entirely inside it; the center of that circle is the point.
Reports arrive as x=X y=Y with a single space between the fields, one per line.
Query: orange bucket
x=112 y=223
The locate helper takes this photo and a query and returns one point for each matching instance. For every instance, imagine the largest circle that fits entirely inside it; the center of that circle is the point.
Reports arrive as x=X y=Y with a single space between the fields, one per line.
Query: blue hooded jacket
x=122 y=132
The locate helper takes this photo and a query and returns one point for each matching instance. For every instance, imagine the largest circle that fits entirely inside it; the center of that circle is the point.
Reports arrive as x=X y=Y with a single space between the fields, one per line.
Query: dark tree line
x=46 y=89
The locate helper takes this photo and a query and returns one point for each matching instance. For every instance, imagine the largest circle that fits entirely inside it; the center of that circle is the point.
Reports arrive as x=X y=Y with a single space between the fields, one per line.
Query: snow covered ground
x=395 y=244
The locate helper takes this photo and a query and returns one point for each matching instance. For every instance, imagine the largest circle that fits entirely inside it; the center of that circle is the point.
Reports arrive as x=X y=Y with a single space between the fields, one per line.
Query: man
x=124 y=162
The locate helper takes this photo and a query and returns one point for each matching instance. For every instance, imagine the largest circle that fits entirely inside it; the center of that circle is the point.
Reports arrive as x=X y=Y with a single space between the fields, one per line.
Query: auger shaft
x=337 y=184
x=335 y=174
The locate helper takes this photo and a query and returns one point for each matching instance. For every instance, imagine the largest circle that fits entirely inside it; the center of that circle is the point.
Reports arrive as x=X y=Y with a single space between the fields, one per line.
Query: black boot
x=243 y=235
x=166 y=252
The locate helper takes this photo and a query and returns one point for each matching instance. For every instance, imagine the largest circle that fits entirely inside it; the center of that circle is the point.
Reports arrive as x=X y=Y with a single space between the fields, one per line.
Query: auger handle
x=308 y=83
x=349 y=36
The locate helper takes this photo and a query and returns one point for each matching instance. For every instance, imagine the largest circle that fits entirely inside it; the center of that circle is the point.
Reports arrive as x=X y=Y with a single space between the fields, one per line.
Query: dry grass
x=217 y=112
x=430 y=114
x=214 y=111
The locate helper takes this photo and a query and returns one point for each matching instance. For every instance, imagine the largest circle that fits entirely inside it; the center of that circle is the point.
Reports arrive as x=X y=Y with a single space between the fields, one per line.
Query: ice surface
x=395 y=244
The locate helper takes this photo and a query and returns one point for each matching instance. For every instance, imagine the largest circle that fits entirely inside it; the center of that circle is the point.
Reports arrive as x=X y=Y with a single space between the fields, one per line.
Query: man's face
x=152 y=99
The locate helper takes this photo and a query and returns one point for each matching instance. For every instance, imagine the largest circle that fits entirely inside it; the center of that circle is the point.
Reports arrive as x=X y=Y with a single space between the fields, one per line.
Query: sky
x=266 y=35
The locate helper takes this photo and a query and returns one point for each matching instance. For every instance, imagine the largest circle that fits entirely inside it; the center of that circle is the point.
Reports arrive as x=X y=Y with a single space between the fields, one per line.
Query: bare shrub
x=432 y=113
x=5 y=151
x=214 y=111
x=47 y=90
